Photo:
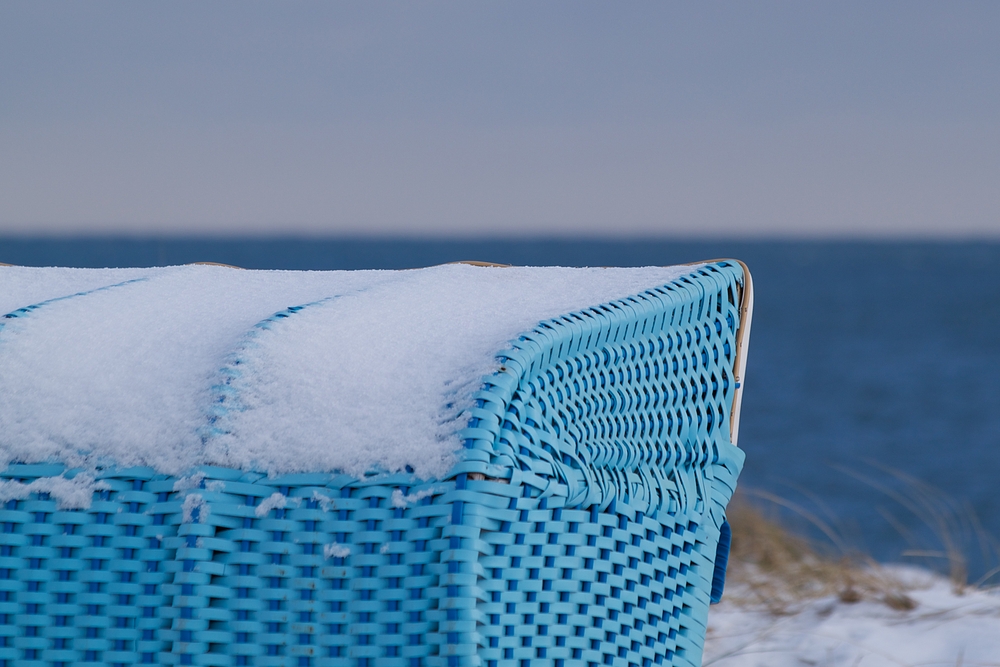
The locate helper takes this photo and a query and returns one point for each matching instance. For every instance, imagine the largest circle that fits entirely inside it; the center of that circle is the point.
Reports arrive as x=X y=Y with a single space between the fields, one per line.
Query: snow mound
x=75 y=493
x=277 y=371
x=944 y=629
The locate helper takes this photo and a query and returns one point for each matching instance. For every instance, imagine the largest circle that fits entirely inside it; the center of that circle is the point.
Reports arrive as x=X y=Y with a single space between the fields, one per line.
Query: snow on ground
x=943 y=630
x=279 y=371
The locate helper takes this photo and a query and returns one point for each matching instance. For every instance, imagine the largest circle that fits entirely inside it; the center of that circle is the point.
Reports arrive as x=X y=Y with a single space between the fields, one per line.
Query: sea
x=871 y=417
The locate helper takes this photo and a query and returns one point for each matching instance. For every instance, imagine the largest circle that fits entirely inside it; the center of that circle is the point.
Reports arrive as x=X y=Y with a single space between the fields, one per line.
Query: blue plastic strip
x=721 y=562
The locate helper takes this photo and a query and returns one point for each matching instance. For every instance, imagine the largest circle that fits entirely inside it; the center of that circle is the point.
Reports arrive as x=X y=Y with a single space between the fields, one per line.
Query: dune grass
x=773 y=567
x=776 y=566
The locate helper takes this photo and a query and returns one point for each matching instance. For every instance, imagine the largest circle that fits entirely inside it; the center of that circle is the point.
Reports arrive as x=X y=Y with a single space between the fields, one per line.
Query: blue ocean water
x=878 y=358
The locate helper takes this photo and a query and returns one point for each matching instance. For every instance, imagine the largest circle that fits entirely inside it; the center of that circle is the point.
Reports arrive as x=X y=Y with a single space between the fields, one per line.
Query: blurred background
x=848 y=152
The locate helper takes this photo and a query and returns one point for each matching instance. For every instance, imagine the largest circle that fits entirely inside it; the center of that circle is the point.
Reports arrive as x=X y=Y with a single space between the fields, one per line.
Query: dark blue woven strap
x=721 y=561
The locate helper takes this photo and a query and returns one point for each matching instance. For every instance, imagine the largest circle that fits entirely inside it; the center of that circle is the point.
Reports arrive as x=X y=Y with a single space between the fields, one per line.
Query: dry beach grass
x=775 y=566
x=776 y=569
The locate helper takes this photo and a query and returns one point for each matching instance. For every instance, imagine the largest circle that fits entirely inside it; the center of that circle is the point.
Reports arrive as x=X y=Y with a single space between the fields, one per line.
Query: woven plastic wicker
x=581 y=527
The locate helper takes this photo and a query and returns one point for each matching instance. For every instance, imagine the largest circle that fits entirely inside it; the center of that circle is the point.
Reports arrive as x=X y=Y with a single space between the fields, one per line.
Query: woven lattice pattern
x=579 y=529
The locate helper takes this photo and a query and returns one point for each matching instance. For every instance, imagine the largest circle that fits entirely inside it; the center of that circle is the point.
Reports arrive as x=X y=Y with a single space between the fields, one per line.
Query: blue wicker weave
x=580 y=528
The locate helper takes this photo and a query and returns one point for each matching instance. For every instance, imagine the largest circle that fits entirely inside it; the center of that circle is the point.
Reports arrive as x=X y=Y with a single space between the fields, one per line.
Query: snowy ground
x=943 y=630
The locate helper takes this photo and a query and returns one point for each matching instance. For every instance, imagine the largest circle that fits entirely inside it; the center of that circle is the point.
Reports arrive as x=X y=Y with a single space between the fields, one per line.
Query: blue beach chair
x=584 y=524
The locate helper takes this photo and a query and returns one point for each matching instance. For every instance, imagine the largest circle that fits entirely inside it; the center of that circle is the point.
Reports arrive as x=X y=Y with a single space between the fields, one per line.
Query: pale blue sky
x=487 y=118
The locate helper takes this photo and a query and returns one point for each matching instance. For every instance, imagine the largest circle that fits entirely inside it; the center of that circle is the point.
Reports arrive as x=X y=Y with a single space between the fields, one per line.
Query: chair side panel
x=613 y=427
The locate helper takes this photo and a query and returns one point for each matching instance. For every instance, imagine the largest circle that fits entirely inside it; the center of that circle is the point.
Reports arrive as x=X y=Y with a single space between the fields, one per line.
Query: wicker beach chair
x=584 y=524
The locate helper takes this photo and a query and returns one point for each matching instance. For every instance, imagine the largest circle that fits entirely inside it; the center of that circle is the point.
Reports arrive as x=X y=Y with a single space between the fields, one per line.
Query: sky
x=478 y=119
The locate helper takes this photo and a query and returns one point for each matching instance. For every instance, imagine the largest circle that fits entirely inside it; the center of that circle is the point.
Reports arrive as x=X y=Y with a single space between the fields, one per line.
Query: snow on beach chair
x=312 y=488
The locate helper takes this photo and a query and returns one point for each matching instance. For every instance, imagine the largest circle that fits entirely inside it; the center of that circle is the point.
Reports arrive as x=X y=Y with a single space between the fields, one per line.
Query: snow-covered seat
x=459 y=465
